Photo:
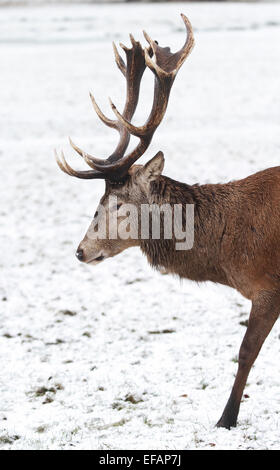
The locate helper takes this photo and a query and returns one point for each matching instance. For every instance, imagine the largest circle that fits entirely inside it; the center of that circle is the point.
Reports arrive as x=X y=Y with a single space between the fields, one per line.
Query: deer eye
x=116 y=207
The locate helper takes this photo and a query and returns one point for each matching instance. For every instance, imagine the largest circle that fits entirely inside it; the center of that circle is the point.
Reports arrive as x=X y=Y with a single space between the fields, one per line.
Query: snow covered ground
x=85 y=362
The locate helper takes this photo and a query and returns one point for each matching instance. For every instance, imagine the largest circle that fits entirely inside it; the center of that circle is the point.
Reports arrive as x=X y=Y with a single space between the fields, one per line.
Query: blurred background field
x=81 y=364
x=50 y=2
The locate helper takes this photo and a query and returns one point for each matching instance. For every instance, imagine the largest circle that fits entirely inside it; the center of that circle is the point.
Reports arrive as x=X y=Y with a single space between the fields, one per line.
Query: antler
x=165 y=68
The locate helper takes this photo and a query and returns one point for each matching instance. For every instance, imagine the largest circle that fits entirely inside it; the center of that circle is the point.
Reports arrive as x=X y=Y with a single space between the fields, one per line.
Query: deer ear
x=153 y=167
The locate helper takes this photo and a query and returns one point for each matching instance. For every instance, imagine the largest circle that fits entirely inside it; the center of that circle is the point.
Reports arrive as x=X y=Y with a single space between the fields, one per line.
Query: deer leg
x=263 y=315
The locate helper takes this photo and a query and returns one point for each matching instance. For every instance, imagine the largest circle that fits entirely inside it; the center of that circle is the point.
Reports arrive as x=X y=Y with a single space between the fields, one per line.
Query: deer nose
x=80 y=255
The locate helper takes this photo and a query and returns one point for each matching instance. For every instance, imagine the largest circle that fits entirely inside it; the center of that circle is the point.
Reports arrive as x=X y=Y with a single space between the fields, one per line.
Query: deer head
x=127 y=183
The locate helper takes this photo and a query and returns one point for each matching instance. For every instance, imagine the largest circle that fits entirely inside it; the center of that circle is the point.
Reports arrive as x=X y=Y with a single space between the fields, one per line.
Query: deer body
x=236 y=225
x=235 y=243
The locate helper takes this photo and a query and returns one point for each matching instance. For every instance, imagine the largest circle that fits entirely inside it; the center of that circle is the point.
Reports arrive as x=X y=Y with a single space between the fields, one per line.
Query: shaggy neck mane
x=201 y=262
x=165 y=190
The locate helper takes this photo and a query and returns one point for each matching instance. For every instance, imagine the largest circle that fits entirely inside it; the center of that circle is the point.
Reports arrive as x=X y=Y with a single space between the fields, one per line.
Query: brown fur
x=235 y=242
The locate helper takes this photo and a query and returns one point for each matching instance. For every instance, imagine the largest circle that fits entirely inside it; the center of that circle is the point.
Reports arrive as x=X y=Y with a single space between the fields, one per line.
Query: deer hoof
x=225 y=423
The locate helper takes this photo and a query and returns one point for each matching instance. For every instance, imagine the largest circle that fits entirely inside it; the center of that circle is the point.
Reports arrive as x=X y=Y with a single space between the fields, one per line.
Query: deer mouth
x=98 y=259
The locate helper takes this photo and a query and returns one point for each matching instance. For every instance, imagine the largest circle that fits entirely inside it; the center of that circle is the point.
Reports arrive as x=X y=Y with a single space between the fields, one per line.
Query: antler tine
x=137 y=131
x=107 y=121
x=91 y=161
x=119 y=60
x=166 y=62
x=85 y=155
x=165 y=68
x=66 y=168
x=189 y=44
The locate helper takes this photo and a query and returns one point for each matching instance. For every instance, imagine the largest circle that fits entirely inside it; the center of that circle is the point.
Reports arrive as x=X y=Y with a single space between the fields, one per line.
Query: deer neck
x=201 y=262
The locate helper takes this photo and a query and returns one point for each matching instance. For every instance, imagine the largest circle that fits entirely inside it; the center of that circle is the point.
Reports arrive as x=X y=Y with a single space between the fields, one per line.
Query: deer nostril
x=80 y=255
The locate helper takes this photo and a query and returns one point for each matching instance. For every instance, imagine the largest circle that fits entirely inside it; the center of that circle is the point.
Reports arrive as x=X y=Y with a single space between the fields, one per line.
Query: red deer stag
x=236 y=238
